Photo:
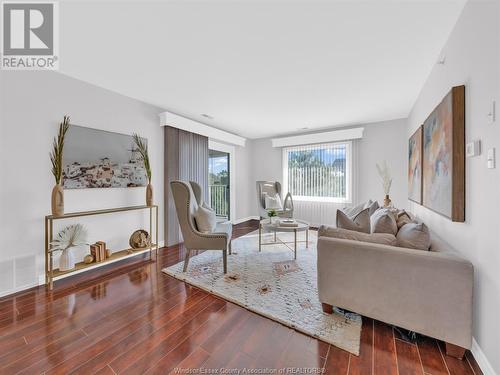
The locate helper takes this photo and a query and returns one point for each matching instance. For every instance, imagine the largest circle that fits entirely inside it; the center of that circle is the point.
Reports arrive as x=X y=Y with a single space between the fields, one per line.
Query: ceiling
x=260 y=68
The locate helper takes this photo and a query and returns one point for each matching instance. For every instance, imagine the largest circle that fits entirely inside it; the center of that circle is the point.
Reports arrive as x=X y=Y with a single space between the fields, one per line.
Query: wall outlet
x=473 y=149
x=491 y=158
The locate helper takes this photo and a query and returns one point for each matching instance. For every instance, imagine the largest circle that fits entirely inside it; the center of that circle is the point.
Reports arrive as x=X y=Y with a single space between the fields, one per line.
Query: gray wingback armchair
x=272 y=188
x=187 y=198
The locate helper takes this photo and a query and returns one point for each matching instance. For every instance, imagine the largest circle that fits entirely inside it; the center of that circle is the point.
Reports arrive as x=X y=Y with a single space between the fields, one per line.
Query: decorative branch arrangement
x=142 y=147
x=66 y=240
x=385 y=175
x=71 y=236
x=56 y=155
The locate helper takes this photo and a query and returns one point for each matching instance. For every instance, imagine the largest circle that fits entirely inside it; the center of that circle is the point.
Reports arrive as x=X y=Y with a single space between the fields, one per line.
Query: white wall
x=381 y=141
x=244 y=182
x=31 y=106
x=472 y=58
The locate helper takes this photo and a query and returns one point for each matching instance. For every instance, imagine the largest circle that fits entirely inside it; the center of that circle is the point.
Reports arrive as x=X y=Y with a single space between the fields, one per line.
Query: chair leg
x=327 y=308
x=224 y=258
x=230 y=247
x=186 y=260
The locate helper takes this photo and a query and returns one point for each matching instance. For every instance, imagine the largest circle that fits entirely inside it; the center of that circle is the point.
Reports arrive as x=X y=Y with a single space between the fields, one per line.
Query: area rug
x=273 y=284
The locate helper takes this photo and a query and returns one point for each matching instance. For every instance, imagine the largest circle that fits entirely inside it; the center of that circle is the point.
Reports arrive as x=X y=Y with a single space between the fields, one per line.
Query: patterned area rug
x=273 y=284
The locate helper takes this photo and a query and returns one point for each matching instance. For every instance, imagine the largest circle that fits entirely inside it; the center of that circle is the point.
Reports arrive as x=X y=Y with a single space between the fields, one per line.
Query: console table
x=52 y=274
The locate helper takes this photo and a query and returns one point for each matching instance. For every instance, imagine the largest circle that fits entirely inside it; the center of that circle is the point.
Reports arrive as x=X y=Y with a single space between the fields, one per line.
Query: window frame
x=349 y=172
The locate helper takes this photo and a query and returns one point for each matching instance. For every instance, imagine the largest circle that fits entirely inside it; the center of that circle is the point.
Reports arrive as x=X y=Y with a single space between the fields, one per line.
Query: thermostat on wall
x=473 y=149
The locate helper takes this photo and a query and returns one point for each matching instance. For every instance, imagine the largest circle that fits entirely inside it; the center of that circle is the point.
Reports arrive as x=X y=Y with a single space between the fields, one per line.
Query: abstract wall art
x=415 y=166
x=443 y=162
x=101 y=159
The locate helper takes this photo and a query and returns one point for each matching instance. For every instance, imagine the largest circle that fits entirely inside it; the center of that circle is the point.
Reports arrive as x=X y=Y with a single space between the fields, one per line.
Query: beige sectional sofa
x=429 y=292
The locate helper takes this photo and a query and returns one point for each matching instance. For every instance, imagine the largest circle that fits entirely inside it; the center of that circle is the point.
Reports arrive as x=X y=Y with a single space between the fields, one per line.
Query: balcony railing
x=219 y=199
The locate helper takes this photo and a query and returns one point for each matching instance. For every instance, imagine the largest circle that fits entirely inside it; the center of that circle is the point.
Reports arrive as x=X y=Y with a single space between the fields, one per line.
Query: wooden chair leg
x=230 y=247
x=455 y=351
x=224 y=258
x=186 y=260
x=327 y=308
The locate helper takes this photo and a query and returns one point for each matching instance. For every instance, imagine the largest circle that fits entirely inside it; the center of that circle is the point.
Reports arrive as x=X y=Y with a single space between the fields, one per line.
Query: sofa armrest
x=427 y=292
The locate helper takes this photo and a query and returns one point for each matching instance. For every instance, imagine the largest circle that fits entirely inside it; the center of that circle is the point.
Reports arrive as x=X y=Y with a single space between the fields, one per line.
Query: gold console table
x=52 y=274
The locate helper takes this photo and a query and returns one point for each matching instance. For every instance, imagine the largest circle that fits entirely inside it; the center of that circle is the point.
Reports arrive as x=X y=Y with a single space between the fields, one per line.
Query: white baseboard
x=481 y=359
x=20 y=289
x=242 y=220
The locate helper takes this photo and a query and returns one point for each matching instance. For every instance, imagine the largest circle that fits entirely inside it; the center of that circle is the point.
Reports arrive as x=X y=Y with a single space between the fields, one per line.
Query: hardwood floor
x=133 y=319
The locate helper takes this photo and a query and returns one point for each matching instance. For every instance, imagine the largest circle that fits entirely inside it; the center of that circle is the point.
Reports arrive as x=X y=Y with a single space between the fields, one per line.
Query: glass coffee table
x=275 y=228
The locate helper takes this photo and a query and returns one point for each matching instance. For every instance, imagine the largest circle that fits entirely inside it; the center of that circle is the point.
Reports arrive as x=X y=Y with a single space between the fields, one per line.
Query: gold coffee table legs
x=294 y=243
x=277 y=240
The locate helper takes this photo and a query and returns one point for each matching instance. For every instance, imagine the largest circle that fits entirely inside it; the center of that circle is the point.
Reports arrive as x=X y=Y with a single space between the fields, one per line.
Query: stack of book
x=98 y=250
x=288 y=223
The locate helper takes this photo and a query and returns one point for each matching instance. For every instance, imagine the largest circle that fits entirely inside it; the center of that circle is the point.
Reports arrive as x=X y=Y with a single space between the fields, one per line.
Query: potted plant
x=142 y=148
x=385 y=175
x=56 y=159
x=271 y=213
x=68 y=238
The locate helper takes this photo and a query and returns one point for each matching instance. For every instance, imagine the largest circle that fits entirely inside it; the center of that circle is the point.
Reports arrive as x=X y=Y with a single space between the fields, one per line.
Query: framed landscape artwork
x=415 y=166
x=101 y=159
x=443 y=162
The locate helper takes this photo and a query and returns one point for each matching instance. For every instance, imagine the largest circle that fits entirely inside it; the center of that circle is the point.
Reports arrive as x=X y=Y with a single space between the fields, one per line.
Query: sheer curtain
x=321 y=178
x=186 y=158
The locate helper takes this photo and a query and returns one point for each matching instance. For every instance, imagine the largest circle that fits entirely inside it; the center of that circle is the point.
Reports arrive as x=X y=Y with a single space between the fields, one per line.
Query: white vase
x=67 y=260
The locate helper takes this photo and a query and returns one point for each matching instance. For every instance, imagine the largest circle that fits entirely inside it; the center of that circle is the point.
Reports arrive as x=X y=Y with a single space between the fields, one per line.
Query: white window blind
x=320 y=172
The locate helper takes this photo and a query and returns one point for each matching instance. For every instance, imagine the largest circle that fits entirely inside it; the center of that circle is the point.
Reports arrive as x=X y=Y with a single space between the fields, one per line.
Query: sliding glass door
x=218 y=183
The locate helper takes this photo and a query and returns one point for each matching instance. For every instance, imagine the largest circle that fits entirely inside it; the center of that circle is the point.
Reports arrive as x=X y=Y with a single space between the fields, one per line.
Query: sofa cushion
x=359 y=223
x=380 y=238
x=414 y=236
x=205 y=219
x=383 y=221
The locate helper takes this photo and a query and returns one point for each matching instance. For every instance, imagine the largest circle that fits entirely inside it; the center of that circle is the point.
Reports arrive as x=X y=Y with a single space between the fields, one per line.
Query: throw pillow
x=360 y=223
x=383 y=221
x=373 y=206
x=207 y=206
x=273 y=203
x=355 y=210
x=403 y=218
x=414 y=236
x=205 y=219
x=380 y=238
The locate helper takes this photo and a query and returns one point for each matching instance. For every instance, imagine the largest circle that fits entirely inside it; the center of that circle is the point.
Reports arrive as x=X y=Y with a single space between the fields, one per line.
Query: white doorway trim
x=222 y=147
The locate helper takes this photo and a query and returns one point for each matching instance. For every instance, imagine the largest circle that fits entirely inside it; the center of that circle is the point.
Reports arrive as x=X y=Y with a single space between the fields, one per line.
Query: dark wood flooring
x=133 y=319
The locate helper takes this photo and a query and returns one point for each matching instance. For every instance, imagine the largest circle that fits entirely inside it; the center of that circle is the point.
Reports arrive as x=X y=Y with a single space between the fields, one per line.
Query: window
x=319 y=172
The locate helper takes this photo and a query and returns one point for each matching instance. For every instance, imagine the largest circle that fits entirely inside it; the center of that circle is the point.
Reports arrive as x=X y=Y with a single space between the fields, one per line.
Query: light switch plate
x=491 y=158
x=492 y=115
x=473 y=148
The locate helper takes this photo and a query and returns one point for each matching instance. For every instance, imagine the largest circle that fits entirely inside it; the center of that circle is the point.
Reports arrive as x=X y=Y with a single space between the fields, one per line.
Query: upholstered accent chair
x=271 y=188
x=187 y=198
